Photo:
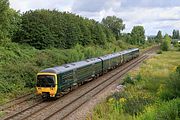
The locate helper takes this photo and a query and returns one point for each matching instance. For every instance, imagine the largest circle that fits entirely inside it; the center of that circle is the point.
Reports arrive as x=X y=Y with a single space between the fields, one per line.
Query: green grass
x=153 y=85
x=1 y=113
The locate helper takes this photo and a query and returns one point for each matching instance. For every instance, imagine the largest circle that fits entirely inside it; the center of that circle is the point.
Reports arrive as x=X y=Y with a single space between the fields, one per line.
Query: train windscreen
x=45 y=81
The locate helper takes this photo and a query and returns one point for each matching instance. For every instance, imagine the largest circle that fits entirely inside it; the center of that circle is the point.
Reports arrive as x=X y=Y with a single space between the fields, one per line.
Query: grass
x=1 y=113
x=155 y=88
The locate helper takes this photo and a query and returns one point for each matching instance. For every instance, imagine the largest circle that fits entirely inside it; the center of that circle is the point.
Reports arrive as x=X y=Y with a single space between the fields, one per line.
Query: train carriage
x=135 y=52
x=111 y=61
x=130 y=54
x=52 y=82
x=65 y=76
x=116 y=60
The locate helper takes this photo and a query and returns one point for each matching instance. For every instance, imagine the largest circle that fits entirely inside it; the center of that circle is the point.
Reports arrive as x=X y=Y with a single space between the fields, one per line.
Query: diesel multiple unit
x=53 y=82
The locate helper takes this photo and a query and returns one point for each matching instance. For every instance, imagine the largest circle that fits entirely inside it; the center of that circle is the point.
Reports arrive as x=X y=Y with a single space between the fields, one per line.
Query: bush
x=128 y=79
x=159 y=52
x=162 y=111
x=179 y=49
x=165 y=46
x=178 y=69
x=138 y=77
x=136 y=100
x=171 y=89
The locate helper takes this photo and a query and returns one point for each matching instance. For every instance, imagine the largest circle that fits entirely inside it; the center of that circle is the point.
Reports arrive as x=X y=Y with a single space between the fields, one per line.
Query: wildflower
x=111 y=100
x=122 y=100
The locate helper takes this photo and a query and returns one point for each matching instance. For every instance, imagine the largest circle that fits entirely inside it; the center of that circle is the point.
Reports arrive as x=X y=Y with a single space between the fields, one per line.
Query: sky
x=154 y=15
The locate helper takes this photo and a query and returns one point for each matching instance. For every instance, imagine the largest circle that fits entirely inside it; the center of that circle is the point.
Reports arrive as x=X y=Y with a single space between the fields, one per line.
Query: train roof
x=109 y=56
x=70 y=66
x=79 y=64
x=129 y=50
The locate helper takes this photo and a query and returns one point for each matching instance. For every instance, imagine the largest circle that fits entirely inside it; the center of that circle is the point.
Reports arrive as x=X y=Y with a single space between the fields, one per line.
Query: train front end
x=46 y=85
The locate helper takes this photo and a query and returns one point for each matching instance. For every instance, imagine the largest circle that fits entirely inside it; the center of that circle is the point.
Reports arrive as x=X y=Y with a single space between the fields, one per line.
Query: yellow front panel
x=51 y=90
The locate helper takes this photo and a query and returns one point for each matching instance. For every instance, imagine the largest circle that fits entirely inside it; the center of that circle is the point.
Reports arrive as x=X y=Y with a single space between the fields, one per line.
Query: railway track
x=16 y=101
x=77 y=103
x=67 y=104
x=91 y=93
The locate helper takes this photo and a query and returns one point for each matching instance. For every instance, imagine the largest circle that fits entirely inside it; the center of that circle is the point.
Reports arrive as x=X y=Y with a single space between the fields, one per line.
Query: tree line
x=51 y=28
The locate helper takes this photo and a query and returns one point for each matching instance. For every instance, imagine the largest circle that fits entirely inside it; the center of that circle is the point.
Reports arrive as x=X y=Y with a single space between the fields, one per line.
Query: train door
x=74 y=77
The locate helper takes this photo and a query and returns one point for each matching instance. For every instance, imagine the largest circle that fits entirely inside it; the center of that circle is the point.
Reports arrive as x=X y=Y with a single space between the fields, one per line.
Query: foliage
x=4 y=5
x=138 y=35
x=136 y=101
x=178 y=69
x=166 y=44
x=57 y=38
x=9 y=21
x=60 y=30
x=159 y=37
x=169 y=110
x=19 y=64
x=171 y=89
x=175 y=34
x=115 y=24
x=159 y=52
x=127 y=37
x=128 y=79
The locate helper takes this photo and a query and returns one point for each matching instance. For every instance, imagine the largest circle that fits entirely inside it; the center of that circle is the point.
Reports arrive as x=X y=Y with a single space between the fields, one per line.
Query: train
x=54 y=82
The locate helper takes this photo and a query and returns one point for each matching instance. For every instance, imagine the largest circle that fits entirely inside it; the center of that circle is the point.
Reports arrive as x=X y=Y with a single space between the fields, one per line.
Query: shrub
x=178 y=69
x=162 y=111
x=138 y=77
x=128 y=79
x=159 y=52
x=171 y=89
x=179 y=49
x=136 y=101
x=165 y=46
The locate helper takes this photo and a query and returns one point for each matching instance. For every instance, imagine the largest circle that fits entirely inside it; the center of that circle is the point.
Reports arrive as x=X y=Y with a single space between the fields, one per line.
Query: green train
x=53 y=82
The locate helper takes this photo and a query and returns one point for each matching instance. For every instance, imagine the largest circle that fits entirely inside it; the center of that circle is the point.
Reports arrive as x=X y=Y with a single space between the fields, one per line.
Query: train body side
x=76 y=73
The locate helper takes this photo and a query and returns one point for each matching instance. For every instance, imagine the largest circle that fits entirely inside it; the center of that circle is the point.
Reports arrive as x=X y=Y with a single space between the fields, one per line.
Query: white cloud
x=25 y=5
x=153 y=15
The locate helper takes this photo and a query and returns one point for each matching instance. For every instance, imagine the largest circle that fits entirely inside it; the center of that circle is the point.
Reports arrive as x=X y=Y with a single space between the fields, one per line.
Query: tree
x=51 y=28
x=166 y=44
x=138 y=35
x=159 y=36
x=10 y=21
x=98 y=35
x=4 y=6
x=115 y=24
x=175 y=34
x=126 y=37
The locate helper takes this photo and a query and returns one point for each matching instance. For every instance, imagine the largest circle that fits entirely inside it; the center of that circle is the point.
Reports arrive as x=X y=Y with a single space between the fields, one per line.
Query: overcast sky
x=154 y=15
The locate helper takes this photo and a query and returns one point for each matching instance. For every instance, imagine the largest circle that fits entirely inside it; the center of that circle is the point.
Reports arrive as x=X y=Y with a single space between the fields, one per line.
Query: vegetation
x=159 y=37
x=45 y=29
x=9 y=21
x=175 y=34
x=138 y=35
x=151 y=92
x=39 y=39
x=20 y=63
x=166 y=43
x=114 y=24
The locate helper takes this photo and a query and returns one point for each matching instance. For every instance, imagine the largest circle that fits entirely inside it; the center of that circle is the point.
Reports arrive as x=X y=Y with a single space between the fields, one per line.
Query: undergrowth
x=150 y=93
